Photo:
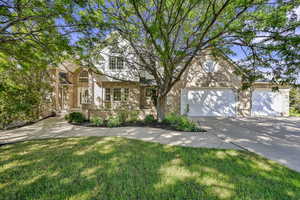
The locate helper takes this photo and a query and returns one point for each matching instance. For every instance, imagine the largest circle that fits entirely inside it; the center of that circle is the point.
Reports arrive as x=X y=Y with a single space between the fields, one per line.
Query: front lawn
x=117 y=168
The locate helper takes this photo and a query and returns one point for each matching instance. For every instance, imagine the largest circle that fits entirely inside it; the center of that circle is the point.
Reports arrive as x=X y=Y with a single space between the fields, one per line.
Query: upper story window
x=84 y=76
x=210 y=66
x=116 y=50
x=116 y=63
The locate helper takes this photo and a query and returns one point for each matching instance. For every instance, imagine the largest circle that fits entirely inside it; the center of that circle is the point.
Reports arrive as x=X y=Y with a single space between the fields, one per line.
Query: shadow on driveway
x=275 y=138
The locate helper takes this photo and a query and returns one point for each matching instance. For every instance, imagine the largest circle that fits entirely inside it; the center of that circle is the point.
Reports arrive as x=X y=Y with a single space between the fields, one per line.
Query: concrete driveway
x=275 y=138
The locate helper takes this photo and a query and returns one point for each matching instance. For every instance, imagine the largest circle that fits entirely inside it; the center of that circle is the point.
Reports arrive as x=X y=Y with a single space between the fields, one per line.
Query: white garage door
x=209 y=102
x=266 y=103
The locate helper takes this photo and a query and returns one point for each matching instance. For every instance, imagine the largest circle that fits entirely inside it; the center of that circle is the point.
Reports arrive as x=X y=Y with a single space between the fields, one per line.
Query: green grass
x=117 y=168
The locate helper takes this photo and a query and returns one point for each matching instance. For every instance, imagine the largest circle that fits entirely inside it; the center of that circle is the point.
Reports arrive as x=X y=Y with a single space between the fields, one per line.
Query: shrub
x=171 y=119
x=133 y=116
x=149 y=119
x=181 y=123
x=67 y=117
x=294 y=112
x=123 y=116
x=184 y=124
x=113 y=122
x=97 y=121
x=76 y=117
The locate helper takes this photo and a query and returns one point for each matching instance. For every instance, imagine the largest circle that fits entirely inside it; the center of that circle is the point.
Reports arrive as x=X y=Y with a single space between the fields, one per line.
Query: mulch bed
x=139 y=124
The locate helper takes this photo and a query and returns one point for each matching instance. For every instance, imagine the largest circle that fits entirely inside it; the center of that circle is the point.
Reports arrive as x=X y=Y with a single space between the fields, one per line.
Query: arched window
x=84 y=76
x=210 y=66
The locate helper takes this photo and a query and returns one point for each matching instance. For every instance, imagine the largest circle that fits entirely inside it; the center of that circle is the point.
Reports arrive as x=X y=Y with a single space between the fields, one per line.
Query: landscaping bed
x=171 y=122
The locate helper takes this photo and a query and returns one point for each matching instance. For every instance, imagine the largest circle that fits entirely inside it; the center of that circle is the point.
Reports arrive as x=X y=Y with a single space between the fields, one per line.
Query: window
x=107 y=105
x=209 y=66
x=126 y=94
x=84 y=76
x=116 y=63
x=63 y=78
x=150 y=92
x=117 y=94
x=84 y=96
x=107 y=94
x=115 y=49
x=120 y=63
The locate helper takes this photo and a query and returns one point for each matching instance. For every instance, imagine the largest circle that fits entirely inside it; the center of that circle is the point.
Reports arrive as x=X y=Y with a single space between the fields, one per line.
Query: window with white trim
x=117 y=94
x=126 y=94
x=107 y=94
x=83 y=76
x=116 y=63
x=84 y=97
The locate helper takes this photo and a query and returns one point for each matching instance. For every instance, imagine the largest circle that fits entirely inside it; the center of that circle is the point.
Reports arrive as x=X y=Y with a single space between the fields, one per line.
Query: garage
x=208 y=102
x=266 y=102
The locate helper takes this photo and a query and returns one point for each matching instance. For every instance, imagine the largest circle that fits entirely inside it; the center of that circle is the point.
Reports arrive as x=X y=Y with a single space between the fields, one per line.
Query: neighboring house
x=208 y=88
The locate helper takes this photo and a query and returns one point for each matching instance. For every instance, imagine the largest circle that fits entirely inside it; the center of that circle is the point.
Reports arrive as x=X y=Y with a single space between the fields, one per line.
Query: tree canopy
x=32 y=40
x=166 y=35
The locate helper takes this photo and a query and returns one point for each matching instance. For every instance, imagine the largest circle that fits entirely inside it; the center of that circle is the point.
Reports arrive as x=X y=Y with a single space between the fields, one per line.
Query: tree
x=25 y=79
x=33 y=37
x=24 y=19
x=166 y=35
x=295 y=99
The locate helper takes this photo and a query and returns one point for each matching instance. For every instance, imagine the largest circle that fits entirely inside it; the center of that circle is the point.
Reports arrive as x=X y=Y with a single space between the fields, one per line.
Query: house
x=209 y=87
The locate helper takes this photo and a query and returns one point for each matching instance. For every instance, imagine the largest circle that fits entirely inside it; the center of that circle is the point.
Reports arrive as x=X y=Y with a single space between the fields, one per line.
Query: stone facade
x=86 y=91
x=196 y=77
x=224 y=77
x=67 y=93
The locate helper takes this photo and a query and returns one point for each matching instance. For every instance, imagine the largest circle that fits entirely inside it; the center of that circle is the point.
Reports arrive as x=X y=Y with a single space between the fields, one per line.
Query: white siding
x=127 y=73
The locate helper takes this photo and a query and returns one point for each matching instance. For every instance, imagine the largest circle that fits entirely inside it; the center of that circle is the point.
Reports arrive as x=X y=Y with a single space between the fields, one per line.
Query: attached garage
x=208 y=102
x=266 y=102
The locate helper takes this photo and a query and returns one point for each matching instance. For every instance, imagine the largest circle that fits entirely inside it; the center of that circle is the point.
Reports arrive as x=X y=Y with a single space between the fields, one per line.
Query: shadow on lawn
x=118 y=168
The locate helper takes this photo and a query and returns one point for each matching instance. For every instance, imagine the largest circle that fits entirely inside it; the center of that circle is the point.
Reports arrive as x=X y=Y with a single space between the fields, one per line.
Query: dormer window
x=210 y=66
x=116 y=63
x=84 y=76
x=115 y=50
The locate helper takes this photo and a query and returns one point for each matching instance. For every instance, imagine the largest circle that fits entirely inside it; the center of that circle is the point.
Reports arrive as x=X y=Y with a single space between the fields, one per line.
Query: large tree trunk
x=161 y=107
